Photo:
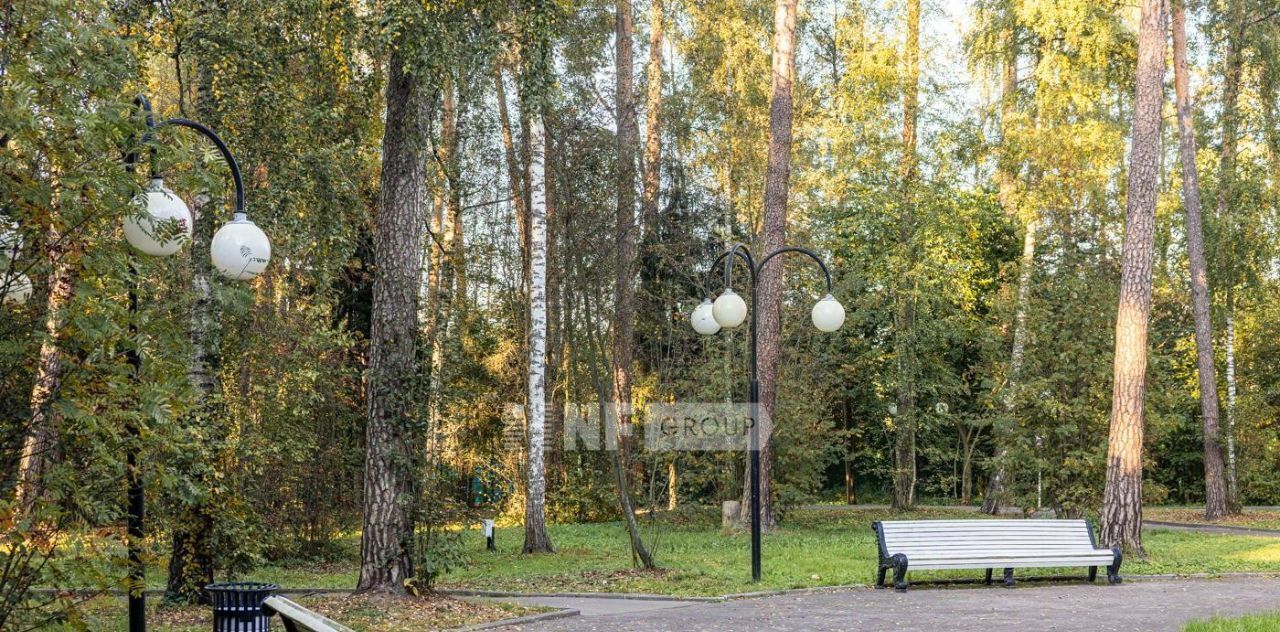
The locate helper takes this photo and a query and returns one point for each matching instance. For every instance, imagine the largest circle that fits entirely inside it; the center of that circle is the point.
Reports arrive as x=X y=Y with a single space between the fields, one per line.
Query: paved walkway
x=1135 y=605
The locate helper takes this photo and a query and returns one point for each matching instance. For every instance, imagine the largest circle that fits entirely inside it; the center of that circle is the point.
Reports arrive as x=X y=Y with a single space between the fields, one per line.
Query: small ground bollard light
x=487 y=526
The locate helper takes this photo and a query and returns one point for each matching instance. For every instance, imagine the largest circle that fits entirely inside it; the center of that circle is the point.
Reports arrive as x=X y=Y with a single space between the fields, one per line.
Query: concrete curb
x=467 y=592
x=533 y=618
x=791 y=591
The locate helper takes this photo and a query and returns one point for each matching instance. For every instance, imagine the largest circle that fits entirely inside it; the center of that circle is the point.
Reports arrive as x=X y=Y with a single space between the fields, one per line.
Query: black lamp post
x=729 y=311
x=159 y=225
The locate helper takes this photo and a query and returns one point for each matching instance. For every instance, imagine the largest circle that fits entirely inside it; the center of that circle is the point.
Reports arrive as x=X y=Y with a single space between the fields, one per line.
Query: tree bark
x=514 y=180
x=625 y=275
x=1122 y=499
x=40 y=444
x=191 y=559
x=535 y=518
x=773 y=236
x=653 y=118
x=1006 y=179
x=386 y=540
x=1233 y=67
x=904 y=452
x=1215 y=489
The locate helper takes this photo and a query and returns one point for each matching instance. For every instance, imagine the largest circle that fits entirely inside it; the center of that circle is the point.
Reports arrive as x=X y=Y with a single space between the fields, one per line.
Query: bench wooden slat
x=301 y=618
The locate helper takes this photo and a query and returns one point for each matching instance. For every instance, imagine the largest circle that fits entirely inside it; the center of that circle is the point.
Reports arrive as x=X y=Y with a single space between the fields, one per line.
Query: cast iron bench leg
x=900 y=572
x=1008 y=578
x=1113 y=571
x=988 y=581
x=1093 y=573
x=880 y=576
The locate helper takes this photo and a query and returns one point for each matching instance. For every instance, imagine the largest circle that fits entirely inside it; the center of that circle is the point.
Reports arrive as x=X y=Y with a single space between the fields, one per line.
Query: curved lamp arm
x=222 y=148
x=804 y=251
x=131 y=159
x=738 y=251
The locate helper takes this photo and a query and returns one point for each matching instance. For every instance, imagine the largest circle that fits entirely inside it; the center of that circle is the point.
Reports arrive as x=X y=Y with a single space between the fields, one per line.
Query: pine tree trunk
x=1214 y=484
x=653 y=119
x=624 y=291
x=40 y=444
x=904 y=452
x=1122 y=499
x=535 y=518
x=773 y=236
x=386 y=539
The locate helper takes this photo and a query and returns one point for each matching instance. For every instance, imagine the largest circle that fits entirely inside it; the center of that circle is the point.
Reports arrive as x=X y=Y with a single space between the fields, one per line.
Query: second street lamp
x=729 y=310
x=159 y=225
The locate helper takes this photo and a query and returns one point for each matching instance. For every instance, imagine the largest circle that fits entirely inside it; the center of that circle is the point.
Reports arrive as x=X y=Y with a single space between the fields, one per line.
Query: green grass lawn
x=1253 y=518
x=813 y=548
x=1267 y=622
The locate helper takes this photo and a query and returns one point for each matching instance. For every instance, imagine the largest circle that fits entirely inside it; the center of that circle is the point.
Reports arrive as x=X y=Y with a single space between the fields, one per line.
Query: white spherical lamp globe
x=827 y=314
x=160 y=221
x=15 y=287
x=240 y=250
x=729 y=309
x=703 y=320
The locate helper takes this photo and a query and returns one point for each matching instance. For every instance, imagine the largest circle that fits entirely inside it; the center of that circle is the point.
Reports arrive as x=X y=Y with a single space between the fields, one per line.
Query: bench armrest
x=296 y=617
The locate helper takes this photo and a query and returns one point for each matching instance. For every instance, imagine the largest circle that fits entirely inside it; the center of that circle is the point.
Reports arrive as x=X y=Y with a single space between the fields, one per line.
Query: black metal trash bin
x=237 y=607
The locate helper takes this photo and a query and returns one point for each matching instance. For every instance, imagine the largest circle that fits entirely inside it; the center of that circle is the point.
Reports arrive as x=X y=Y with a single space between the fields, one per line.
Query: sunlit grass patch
x=1266 y=622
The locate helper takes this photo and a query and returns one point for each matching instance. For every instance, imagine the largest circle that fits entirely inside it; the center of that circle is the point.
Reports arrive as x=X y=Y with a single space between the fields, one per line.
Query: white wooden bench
x=989 y=544
x=299 y=619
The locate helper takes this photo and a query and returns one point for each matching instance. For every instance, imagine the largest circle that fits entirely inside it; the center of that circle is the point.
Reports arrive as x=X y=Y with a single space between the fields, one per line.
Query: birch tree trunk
x=1006 y=179
x=535 y=519
x=514 y=171
x=904 y=451
x=1233 y=66
x=624 y=291
x=1214 y=484
x=191 y=556
x=1122 y=499
x=390 y=447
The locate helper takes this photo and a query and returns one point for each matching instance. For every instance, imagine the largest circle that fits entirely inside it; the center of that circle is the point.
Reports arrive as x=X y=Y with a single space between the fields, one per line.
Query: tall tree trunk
x=535 y=518
x=1122 y=499
x=40 y=444
x=773 y=236
x=1233 y=489
x=624 y=290
x=450 y=139
x=446 y=324
x=904 y=452
x=1215 y=489
x=1006 y=179
x=386 y=540
x=653 y=118
x=1233 y=66
x=191 y=552
x=514 y=180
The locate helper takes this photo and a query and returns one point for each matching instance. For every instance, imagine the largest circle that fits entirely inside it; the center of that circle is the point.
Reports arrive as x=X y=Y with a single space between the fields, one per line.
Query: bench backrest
x=297 y=618
x=904 y=536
